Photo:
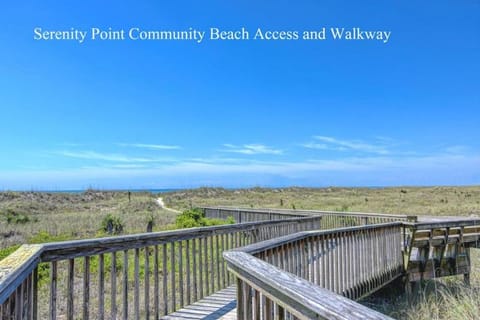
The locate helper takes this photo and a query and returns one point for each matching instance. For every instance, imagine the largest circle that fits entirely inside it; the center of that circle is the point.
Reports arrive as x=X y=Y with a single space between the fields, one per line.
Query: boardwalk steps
x=220 y=305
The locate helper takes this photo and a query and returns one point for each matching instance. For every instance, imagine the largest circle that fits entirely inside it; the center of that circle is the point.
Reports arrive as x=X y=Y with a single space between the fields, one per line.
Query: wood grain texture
x=16 y=267
x=300 y=297
x=80 y=248
x=352 y=262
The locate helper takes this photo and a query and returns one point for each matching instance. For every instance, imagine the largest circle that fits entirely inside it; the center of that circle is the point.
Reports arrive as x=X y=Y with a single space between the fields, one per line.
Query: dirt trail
x=161 y=204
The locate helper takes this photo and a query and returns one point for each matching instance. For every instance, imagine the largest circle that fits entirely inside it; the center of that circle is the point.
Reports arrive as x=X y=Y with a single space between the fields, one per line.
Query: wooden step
x=220 y=305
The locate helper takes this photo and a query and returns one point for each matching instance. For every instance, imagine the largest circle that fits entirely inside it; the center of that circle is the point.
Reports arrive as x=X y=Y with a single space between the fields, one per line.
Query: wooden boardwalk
x=220 y=305
x=286 y=264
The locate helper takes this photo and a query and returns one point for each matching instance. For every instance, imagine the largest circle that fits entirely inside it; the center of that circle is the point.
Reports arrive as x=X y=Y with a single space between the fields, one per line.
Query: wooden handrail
x=349 y=262
x=80 y=248
x=299 y=297
x=272 y=243
x=442 y=224
x=304 y=212
x=189 y=266
x=16 y=267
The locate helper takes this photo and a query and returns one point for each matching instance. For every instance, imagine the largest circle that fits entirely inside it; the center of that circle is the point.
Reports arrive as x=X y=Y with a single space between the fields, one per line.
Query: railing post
x=408 y=290
x=34 y=293
x=240 y=300
x=53 y=290
x=466 y=276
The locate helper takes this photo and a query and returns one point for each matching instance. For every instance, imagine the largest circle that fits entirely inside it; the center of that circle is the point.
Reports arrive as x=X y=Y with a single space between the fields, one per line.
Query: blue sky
x=174 y=114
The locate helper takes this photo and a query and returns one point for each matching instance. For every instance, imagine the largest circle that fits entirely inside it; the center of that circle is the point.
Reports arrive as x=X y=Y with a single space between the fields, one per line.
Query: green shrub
x=212 y=222
x=230 y=220
x=192 y=218
x=44 y=237
x=112 y=224
x=343 y=208
x=16 y=217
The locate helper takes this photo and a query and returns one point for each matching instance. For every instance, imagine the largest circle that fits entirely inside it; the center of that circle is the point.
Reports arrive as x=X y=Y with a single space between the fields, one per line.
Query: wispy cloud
x=330 y=143
x=128 y=166
x=458 y=150
x=251 y=149
x=92 y=155
x=443 y=168
x=150 y=146
x=70 y=144
x=315 y=145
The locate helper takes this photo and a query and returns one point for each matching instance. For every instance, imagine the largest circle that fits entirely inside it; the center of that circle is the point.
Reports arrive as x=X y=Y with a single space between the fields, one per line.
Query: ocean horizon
x=99 y=190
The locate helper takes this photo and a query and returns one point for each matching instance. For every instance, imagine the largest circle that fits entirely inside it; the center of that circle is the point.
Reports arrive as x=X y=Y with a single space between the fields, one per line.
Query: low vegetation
x=23 y=215
x=444 y=201
x=444 y=298
x=195 y=218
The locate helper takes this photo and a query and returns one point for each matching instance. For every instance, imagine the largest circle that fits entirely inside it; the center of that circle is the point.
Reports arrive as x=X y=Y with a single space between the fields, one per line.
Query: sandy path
x=161 y=204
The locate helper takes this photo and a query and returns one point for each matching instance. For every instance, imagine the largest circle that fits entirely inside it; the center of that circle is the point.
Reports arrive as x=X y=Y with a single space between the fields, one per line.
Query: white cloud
x=330 y=143
x=92 y=155
x=150 y=146
x=251 y=149
x=442 y=168
x=128 y=166
x=459 y=149
x=313 y=145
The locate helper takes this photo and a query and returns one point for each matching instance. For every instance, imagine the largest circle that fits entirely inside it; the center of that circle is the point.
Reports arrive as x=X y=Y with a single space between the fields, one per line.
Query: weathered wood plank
x=33 y=307
x=86 y=288
x=201 y=263
x=165 y=279
x=16 y=267
x=206 y=266
x=180 y=274
x=146 y=283
x=220 y=305
x=53 y=291
x=295 y=252
x=173 y=295
x=302 y=298
x=101 y=287
x=113 y=286
x=125 y=286
x=156 y=287
x=89 y=247
x=188 y=271
x=227 y=211
x=194 y=266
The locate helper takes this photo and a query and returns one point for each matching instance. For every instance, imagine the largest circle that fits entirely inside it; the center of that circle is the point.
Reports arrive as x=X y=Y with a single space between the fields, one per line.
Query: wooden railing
x=331 y=219
x=286 y=277
x=18 y=283
x=248 y=215
x=127 y=277
x=282 y=270
x=441 y=248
